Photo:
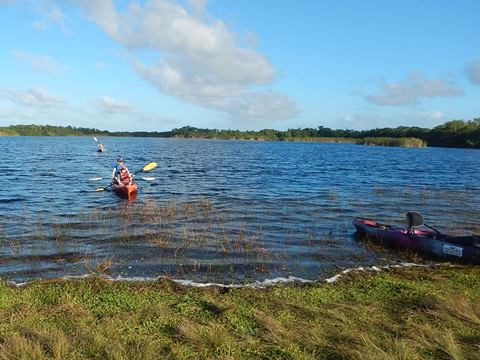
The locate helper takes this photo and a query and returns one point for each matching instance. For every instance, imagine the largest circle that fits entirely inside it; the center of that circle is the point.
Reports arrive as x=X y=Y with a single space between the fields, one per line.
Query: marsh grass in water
x=422 y=313
x=184 y=237
x=389 y=141
x=208 y=241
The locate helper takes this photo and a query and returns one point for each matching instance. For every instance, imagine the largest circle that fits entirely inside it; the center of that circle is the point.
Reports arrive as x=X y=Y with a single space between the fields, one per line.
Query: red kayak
x=126 y=190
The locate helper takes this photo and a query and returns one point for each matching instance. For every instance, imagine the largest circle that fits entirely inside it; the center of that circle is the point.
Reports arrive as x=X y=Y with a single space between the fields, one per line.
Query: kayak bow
x=126 y=190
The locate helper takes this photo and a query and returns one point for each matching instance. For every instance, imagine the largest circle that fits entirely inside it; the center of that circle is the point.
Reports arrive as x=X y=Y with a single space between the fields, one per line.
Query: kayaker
x=101 y=148
x=120 y=173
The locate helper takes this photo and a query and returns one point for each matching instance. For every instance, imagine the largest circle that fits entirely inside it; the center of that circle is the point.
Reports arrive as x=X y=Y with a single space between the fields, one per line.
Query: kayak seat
x=412 y=219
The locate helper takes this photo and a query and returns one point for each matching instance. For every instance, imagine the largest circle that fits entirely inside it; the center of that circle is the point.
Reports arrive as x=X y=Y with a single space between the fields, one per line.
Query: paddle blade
x=94 y=138
x=99 y=189
x=95 y=179
x=148 y=178
x=149 y=166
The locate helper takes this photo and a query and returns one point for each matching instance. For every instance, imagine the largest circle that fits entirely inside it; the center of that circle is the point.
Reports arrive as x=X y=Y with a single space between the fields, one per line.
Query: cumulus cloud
x=473 y=71
x=198 y=62
x=110 y=105
x=412 y=90
x=34 y=97
x=198 y=8
x=39 y=62
x=369 y=119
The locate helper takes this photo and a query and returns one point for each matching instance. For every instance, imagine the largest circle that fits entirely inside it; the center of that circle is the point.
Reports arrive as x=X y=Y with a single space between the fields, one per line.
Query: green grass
x=389 y=141
x=7 y=132
x=401 y=314
x=322 y=139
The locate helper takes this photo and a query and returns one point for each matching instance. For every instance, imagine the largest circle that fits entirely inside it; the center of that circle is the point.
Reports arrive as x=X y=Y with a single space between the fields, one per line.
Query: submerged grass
x=188 y=236
x=400 y=314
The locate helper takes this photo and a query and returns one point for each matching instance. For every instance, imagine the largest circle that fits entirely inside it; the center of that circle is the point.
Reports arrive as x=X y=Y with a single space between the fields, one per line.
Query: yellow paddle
x=148 y=167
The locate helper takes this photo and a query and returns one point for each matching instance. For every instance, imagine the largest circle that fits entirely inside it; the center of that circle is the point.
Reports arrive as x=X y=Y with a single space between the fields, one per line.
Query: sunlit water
x=218 y=211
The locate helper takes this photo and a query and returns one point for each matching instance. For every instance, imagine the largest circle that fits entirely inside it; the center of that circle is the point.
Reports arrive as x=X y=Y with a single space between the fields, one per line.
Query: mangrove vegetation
x=455 y=133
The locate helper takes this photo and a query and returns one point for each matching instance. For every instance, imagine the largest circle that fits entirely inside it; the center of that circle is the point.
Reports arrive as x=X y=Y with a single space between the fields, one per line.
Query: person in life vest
x=120 y=173
x=100 y=148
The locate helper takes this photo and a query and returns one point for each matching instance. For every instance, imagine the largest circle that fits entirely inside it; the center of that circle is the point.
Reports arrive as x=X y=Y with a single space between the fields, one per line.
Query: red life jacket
x=123 y=174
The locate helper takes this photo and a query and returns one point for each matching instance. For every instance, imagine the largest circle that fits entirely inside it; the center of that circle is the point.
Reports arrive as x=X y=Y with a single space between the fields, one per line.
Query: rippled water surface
x=221 y=211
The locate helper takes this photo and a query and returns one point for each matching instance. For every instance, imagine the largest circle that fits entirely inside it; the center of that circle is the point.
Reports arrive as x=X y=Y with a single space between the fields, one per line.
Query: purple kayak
x=429 y=241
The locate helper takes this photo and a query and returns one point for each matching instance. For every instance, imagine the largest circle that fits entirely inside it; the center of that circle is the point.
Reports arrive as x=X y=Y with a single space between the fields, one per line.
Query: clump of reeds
x=389 y=141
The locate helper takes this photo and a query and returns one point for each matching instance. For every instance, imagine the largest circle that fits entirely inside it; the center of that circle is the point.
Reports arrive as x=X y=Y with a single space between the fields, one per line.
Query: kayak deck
x=128 y=190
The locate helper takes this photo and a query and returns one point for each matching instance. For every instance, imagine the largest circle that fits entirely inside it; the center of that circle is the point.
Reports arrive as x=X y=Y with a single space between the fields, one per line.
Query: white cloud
x=473 y=71
x=198 y=8
x=39 y=107
x=32 y=105
x=435 y=114
x=369 y=119
x=412 y=90
x=39 y=62
x=39 y=25
x=35 y=97
x=198 y=61
x=110 y=105
x=50 y=11
x=43 y=12
x=264 y=106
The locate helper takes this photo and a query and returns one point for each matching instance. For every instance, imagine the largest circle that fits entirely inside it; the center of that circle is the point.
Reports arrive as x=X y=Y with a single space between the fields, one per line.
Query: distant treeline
x=50 y=130
x=456 y=133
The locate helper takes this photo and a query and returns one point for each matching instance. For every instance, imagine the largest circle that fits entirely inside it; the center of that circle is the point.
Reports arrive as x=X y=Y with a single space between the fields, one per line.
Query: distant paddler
x=100 y=146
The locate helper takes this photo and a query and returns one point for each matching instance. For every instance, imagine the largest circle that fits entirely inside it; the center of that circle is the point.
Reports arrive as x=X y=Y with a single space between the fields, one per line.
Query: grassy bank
x=388 y=141
x=323 y=139
x=403 y=314
x=7 y=132
x=264 y=138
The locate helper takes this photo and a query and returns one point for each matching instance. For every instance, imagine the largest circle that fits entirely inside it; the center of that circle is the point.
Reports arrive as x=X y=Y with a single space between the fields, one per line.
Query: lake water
x=218 y=211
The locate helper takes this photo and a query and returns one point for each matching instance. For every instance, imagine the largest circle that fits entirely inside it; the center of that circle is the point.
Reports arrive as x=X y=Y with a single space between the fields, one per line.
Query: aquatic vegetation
x=388 y=141
x=170 y=238
x=204 y=240
x=197 y=239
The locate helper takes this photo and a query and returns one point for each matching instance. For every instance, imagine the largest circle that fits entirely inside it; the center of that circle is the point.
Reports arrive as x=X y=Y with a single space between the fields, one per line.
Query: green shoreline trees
x=455 y=133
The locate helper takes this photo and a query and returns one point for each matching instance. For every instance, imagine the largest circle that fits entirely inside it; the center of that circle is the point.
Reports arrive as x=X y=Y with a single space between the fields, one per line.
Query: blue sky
x=244 y=64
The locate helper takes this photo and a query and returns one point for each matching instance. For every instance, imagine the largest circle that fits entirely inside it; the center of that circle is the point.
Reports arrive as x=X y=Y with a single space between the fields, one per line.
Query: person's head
x=120 y=161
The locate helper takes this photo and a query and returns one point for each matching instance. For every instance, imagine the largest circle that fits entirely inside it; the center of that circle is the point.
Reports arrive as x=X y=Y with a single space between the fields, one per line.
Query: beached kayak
x=126 y=190
x=424 y=241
